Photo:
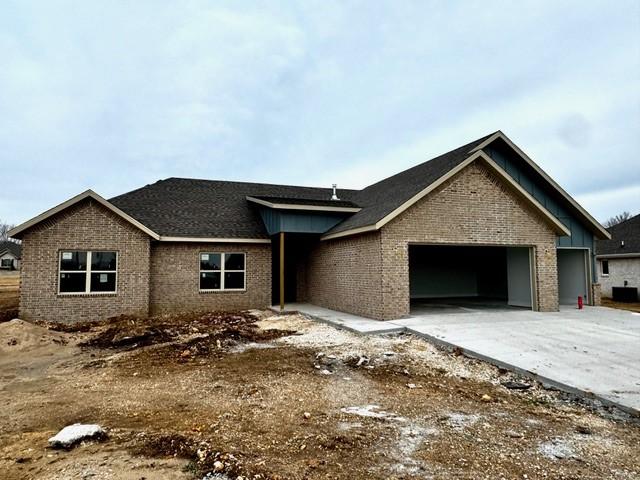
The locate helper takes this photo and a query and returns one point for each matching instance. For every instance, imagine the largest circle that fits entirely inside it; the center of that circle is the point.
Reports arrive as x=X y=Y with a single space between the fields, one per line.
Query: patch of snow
x=556 y=448
x=411 y=437
x=460 y=421
x=243 y=347
x=372 y=411
x=77 y=432
x=216 y=476
x=345 y=426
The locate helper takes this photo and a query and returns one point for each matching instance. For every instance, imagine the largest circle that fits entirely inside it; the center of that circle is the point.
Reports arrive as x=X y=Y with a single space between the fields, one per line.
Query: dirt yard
x=260 y=396
x=632 y=307
x=9 y=295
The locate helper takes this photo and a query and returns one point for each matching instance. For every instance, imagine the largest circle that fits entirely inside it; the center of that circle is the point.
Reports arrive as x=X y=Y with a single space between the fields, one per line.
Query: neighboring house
x=619 y=257
x=481 y=222
x=9 y=255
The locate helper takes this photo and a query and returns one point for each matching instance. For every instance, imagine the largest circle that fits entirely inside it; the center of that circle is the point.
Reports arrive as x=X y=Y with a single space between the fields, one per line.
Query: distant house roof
x=12 y=247
x=625 y=239
x=181 y=209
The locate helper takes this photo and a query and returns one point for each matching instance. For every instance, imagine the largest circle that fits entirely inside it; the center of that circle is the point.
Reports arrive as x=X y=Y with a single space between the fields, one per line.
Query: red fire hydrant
x=580 y=302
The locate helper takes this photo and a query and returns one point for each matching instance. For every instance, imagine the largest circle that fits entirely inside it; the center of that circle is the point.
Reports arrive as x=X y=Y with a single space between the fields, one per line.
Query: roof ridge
x=254 y=183
x=470 y=145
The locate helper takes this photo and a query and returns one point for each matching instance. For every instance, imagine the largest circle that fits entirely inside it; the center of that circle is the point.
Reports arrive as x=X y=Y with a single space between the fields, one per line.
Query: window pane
x=73 y=261
x=72 y=282
x=233 y=280
x=210 y=281
x=7 y=262
x=103 y=282
x=234 y=261
x=103 y=261
x=210 y=261
x=605 y=267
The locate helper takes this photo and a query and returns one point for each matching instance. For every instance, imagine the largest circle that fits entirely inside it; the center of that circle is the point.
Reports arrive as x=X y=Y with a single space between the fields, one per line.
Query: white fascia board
x=292 y=206
x=604 y=256
x=213 y=240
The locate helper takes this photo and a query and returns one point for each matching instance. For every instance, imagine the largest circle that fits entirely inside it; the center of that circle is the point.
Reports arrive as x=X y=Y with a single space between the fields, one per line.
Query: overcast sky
x=114 y=95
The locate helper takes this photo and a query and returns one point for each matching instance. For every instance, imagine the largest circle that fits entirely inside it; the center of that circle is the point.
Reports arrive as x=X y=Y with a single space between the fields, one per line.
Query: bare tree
x=4 y=230
x=621 y=217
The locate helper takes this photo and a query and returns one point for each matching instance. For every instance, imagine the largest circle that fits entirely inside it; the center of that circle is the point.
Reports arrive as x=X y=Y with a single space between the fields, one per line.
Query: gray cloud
x=115 y=96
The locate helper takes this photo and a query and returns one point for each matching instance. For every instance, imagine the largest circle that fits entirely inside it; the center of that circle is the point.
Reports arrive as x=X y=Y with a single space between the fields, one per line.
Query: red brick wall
x=84 y=226
x=175 y=270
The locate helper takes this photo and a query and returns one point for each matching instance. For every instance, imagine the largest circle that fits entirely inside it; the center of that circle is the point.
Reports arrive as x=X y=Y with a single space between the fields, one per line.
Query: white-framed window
x=605 y=268
x=222 y=271
x=83 y=272
x=6 y=263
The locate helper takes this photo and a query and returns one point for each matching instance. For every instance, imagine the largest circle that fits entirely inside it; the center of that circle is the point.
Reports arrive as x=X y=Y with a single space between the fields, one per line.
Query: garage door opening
x=572 y=275
x=455 y=278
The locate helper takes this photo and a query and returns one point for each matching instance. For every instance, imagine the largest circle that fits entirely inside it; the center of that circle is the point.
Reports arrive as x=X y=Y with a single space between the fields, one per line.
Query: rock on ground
x=72 y=434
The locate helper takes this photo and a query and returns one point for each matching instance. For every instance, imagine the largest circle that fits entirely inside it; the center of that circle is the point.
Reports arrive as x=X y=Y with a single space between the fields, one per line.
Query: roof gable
x=13 y=248
x=20 y=229
x=477 y=156
x=593 y=225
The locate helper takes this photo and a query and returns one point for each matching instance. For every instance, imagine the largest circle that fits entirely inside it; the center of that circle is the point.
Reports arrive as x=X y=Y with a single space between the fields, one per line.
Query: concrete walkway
x=347 y=321
x=594 y=352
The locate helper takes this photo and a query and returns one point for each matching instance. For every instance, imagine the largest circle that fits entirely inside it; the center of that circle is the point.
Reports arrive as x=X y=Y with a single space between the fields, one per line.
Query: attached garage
x=573 y=275
x=470 y=276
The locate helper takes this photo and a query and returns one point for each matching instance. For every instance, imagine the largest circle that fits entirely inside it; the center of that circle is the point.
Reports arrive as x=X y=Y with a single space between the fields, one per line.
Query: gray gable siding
x=580 y=237
x=277 y=221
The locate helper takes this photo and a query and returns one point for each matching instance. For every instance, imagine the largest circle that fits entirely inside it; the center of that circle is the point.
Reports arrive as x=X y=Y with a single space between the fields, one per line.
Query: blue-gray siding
x=292 y=221
x=580 y=236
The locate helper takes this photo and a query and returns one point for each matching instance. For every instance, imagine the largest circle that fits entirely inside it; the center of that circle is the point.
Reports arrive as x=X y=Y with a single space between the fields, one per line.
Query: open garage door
x=469 y=277
x=572 y=275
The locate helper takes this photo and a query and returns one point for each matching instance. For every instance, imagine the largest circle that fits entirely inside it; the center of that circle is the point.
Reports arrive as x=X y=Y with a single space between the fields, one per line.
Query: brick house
x=10 y=253
x=482 y=223
x=618 y=260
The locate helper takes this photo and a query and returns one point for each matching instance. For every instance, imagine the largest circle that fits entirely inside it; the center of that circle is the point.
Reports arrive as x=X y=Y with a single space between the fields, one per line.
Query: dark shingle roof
x=13 y=247
x=627 y=231
x=183 y=207
x=380 y=199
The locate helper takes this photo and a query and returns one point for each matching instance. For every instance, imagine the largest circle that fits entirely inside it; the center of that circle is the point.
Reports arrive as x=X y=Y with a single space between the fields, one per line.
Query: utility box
x=625 y=294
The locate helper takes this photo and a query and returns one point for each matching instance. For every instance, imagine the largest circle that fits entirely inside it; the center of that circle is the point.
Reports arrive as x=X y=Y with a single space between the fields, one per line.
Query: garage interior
x=572 y=275
x=443 y=277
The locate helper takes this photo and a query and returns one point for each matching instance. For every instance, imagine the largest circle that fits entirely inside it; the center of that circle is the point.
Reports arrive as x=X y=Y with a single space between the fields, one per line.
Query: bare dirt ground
x=261 y=396
x=632 y=307
x=9 y=295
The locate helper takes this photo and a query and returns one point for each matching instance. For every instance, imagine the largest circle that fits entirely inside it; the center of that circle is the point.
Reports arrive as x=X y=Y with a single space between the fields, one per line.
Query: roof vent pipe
x=334 y=195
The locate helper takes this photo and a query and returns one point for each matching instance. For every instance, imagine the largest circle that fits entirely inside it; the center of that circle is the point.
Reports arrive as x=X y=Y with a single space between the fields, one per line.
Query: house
x=618 y=258
x=482 y=222
x=9 y=255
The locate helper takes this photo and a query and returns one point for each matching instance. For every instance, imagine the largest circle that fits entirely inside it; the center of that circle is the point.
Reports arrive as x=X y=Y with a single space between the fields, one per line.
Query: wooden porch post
x=281 y=271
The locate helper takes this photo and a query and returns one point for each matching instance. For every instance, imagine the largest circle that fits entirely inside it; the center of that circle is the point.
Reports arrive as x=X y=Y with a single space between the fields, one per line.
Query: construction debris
x=71 y=435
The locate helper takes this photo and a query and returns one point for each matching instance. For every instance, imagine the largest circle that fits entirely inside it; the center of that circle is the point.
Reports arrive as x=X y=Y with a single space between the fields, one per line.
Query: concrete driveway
x=595 y=350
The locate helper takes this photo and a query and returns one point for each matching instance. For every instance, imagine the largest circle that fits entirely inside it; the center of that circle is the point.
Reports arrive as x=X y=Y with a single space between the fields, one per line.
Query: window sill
x=88 y=294
x=228 y=290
